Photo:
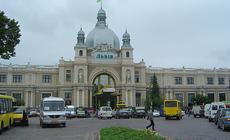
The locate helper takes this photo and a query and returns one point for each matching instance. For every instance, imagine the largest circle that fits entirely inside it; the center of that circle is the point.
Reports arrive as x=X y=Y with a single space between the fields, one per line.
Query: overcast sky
x=165 y=33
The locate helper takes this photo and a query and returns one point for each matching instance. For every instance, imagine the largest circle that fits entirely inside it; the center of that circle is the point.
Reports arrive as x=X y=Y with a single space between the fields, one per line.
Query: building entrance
x=104 y=93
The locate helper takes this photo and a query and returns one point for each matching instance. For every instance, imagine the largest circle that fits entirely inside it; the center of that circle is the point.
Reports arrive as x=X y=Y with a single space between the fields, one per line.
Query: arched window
x=80 y=53
x=127 y=54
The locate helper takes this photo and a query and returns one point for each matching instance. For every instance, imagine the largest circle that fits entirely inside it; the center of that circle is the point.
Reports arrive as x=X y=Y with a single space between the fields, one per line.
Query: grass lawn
x=123 y=133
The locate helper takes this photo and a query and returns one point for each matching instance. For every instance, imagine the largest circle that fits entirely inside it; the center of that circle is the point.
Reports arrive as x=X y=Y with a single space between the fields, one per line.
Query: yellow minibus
x=6 y=112
x=172 y=108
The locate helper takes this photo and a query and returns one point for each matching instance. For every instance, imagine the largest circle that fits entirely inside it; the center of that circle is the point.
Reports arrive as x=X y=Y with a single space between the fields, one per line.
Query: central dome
x=101 y=34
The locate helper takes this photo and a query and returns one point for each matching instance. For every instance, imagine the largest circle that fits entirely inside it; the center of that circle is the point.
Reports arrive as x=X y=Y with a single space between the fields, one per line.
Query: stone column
x=75 y=99
x=78 y=100
x=83 y=98
x=90 y=98
x=126 y=98
x=26 y=98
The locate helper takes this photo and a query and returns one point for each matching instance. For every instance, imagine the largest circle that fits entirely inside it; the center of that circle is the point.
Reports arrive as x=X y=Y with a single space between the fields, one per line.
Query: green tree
x=153 y=98
x=200 y=99
x=9 y=36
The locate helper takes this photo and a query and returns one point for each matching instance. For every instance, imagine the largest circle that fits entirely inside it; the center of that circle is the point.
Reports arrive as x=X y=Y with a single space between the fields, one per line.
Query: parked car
x=90 y=112
x=33 y=112
x=213 y=109
x=123 y=113
x=104 y=112
x=20 y=116
x=156 y=113
x=224 y=119
x=206 y=110
x=81 y=112
x=139 y=112
x=197 y=111
x=70 y=111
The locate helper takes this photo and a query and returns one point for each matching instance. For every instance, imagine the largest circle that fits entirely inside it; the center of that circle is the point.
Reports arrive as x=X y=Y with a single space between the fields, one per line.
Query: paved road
x=86 y=129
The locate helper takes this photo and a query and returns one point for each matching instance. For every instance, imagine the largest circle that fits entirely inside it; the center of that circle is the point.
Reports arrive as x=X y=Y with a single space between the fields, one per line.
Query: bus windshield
x=53 y=106
x=171 y=104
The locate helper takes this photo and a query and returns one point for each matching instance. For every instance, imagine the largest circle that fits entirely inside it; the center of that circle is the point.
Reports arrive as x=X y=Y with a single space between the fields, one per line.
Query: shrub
x=122 y=133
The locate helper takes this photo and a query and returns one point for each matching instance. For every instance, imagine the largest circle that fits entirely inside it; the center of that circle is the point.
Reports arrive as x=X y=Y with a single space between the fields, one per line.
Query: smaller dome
x=126 y=34
x=101 y=11
x=81 y=32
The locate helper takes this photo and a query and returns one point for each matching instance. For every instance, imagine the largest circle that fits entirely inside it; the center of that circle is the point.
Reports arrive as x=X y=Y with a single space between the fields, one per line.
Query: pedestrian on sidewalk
x=151 y=119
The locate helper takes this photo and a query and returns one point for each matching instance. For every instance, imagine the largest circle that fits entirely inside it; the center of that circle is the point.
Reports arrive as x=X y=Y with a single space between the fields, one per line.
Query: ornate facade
x=104 y=73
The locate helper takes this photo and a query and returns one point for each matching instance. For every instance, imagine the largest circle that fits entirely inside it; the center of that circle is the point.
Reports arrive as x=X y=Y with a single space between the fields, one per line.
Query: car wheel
x=64 y=124
x=209 y=119
x=166 y=118
x=9 y=124
x=1 y=128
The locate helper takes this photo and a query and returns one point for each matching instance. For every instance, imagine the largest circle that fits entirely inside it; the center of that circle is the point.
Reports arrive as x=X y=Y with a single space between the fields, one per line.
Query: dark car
x=139 y=112
x=123 y=113
x=224 y=119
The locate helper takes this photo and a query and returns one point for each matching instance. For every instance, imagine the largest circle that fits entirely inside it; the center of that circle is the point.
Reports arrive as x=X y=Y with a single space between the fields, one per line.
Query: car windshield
x=19 y=110
x=214 y=107
x=140 y=110
x=80 y=109
x=125 y=109
x=227 y=113
x=171 y=104
x=69 y=109
x=53 y=106
x=221 y=106
x=106 y=109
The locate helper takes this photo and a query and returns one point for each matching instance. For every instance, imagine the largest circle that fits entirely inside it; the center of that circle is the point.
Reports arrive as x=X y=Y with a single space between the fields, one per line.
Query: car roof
x=53 y=99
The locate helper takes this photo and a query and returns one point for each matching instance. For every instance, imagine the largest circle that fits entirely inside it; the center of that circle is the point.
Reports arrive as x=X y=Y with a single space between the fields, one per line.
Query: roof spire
x=101 y=4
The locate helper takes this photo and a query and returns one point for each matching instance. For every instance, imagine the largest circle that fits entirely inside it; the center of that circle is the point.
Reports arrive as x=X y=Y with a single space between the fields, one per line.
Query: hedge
x=122 y=133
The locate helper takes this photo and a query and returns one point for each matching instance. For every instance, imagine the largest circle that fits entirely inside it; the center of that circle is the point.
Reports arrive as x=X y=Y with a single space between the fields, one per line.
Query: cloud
x=165 y=33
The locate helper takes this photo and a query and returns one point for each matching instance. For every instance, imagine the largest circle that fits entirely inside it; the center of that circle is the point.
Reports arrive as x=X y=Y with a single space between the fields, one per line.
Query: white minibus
x=52 y=111
x=213 y=109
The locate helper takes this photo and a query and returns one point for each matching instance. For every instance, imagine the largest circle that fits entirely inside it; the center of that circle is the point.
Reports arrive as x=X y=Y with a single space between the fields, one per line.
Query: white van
x=206 y=110
x=213 y=109
x=52 y=111
x=105 y=112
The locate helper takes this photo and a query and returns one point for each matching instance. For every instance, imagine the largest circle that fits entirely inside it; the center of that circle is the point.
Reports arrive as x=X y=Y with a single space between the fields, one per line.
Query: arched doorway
x=104 y=93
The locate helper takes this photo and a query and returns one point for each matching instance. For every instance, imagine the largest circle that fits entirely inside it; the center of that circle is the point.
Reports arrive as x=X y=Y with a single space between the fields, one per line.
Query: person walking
x=151 y=119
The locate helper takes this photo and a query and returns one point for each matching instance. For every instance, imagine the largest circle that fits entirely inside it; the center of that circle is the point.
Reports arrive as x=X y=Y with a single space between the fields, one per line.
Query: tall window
x=68 y=75
x=222 y=97
x=138 y=99
x=221 y=81
x=80 y=53
x=190 y=98
x=180 y=97
x=17 y=78
x=190 y=80
x=17 y=96
x=178 y=80
x=137 y=75
x=211 y=96
x=68 y=95
x=127 y=54
x=46 y=78
x=44 y=95
x=3 y=78
x=210 y=81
